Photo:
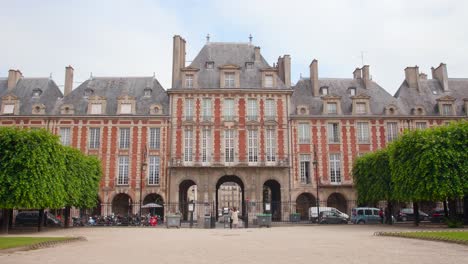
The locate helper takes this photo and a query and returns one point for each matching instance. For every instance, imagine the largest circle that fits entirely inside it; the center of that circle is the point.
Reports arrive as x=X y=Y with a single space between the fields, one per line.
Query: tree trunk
x=416 y=213
x=6 y=221
x=40 y=220
x=465 y=209
x=389 y=213
x=452 y=206
x=446 y=212
x=67 y=217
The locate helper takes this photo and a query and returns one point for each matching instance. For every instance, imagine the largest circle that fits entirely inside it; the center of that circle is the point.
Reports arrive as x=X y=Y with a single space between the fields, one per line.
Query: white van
x=313 y=212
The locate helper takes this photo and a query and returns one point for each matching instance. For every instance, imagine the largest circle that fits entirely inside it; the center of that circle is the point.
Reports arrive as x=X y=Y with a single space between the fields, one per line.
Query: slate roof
x=3 y=86
x=379 y=98
x=223 y=53
x=429 y=91
x=113 y=87
x=24 y=91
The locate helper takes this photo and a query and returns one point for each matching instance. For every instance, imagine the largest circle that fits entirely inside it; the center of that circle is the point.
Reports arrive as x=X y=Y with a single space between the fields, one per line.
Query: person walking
x=230 y=218
x=235 y=217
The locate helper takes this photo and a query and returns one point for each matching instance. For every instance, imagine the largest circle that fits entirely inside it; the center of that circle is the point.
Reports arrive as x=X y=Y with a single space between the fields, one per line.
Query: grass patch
x=460 y=235
x=12 y=242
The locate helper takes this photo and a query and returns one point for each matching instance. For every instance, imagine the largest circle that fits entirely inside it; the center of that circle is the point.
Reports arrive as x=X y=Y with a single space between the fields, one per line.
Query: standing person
x=381 y=214
x=235 y=217
x=230 y=218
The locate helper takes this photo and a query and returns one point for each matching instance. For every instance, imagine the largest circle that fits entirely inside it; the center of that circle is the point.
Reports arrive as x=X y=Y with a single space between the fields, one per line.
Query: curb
x=45 y=244
x=437 y=239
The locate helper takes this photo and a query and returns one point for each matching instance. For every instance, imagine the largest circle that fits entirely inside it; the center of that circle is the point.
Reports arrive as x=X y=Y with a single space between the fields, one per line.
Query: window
x=37 y=92
x=305 y=168
x=335 y=168
x=189 y=109
x=229 y=145
x=228 y=109
x=123 y=170
x=189 y=80
x=270 y=109
x=446 y=109
x=249 y=65
x=206 y=145
x=331 y=108
x=304 y=133
x=188 y=145
x=9 y=109
x=229 y=80
x=88 y=92
x=421 y=125
x=333 y=133
x=253 y=145
x=125 y=108
x=148 y=92
x=268 y=81
x=206 y=109
x=361 y=108
x=270 y=145
x=153 y=177
x=124 y=138
x=155 y=138
x=352 y=91
x=65 y=136
x=210 y=65
x=363 y=132
x=324 y=90
x=94 y=138
x=392 y=131
x=252 y=109
x=96 y=109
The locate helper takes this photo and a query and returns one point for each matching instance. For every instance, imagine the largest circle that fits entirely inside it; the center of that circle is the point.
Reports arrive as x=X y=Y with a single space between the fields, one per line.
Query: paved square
x=300 y=244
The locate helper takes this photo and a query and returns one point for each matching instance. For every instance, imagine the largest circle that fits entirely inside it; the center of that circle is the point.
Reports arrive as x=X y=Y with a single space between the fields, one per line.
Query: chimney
x=357 y=74
x=287 y=70
x=178 y=59
x=422 y=76
x=280 y=66
x=440 y=73
x=314 y=77
x=412 y=77
x=68 y=80
x=257 y=53
x=13 y=78
x=366 y=76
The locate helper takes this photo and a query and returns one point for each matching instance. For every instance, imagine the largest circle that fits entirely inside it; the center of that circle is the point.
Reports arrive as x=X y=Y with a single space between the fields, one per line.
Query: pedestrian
x=230 y=218
x=235 y=217
x=381 y=215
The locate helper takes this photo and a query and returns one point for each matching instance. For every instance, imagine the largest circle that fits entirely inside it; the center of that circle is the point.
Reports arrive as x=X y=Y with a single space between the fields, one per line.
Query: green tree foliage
x=32 y=169
x=431 y=164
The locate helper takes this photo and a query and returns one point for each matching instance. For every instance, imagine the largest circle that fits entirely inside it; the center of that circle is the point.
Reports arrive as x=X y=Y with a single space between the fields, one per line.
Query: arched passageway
x=154 y=204
x=303 y=202
x=122 y=205
x=229 y=193
x=338 y=201
x=187 y=194
x=272 y=197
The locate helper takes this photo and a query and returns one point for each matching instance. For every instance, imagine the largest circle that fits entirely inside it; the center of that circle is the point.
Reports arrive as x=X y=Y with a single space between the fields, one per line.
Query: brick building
x=230 y=120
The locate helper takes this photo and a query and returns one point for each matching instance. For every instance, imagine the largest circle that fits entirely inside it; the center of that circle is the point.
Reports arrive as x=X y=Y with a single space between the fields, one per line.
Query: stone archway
x=338 y=201
x=154 y=198
x=122 y=205
x=303 y=202
x=272 y=194
x=185 y=197
x=237 y=181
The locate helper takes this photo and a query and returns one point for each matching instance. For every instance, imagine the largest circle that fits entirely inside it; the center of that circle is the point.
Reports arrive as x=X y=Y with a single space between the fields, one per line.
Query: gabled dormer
x=38 y=109
x=331 y=105
x=391 y=110
x=269 y=77
x=10 y=105
x=97 y=105
x=418 y=110
x=229 y=76
x=446 y=105
x=360 y=104
x=189 y=77
x=125 y=105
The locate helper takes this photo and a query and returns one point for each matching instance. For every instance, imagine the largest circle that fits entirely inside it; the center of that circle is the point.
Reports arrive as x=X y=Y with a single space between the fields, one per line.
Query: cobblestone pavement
x=298 y=244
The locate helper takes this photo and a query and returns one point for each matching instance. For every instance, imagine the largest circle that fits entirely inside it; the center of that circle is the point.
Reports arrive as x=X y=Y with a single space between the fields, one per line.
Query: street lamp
x=142 y=173
x=317 y=178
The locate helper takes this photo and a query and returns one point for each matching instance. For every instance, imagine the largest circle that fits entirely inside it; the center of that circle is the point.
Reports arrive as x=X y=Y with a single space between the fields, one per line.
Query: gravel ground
x=298 y=244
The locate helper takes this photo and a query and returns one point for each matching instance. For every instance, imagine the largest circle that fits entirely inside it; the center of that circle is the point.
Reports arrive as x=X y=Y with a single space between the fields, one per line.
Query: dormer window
x=249 y=65
x=125 y=108
x=352 y=91
x=37 y=92
x=9 y=109
x=361 y=108
x=324 y=90
x=148 y=92
x=229 y=80
x=445 y=105
x=360 y=104
x=268 y=81
x=447 y=109
x=126 y=105
x=88 y=92
x=189 y=81
x=331 y=108
x=210 y=65
x=96 y=109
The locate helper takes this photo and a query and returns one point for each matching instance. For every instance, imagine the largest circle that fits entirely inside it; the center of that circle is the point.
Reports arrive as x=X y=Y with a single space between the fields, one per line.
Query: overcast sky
x=134 y=38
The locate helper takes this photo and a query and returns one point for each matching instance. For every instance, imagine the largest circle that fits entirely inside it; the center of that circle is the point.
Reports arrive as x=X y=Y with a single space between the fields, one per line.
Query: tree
x=431 y=164
x=31 y=170
x=373 y=180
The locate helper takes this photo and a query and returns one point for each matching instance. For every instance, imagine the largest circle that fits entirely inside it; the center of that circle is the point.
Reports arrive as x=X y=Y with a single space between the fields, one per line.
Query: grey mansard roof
x=379 y=98
x=113 y=87
x=24 y=91
x=222 y=54
x=431 y=90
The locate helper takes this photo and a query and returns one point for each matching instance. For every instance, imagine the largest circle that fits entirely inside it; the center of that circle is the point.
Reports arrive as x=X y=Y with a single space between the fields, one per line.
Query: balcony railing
x=223 y=163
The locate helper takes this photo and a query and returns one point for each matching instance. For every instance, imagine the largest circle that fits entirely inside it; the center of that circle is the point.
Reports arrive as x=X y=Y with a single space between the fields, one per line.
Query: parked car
x=365 y=215
x=313 y=212
x=407 y=214
x=31 y=218
x=329 y=217
x=437 y=215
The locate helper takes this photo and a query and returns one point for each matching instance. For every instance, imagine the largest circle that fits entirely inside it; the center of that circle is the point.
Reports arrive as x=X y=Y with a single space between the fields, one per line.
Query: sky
x=134 y=38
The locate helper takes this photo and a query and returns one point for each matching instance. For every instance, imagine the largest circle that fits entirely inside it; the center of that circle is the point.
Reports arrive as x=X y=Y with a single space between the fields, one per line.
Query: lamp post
x=317 y=179
x=142 y=174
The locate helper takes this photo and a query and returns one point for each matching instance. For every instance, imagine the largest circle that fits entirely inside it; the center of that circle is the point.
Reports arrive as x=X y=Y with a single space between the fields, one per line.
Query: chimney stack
x=284 y=69
x=314 y=78
x=422 y=76
x=13 y=78
x=257 y=53
x=412 y=77
x=440 y=73
x=357 y=74
x=178 y=59
x=68 y=80
x=366 y=76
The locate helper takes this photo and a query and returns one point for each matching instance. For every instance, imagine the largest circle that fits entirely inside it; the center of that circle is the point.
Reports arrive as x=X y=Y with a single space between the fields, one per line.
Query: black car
x=31 y=218
x=407 y=214
x=330 y=217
